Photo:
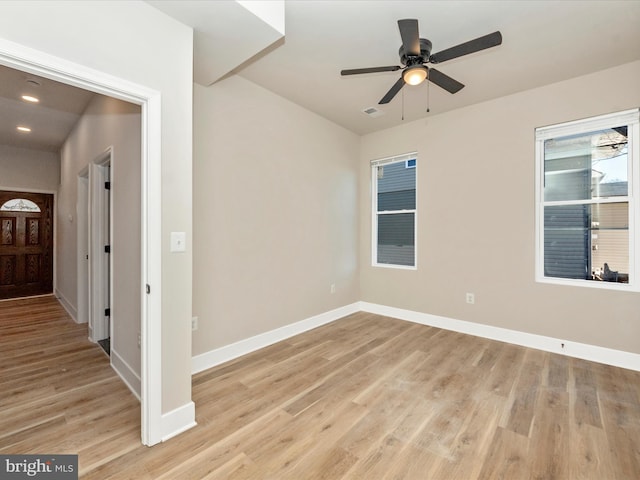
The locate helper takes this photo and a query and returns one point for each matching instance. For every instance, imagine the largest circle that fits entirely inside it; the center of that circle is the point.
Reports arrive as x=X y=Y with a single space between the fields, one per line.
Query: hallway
x=58 y=393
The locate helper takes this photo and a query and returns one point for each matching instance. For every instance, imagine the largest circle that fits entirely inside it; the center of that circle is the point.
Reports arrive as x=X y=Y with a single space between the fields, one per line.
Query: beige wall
x=135 y=42
x=275 y=213
x=106 y=122
x=476 y=175
x=27 y=169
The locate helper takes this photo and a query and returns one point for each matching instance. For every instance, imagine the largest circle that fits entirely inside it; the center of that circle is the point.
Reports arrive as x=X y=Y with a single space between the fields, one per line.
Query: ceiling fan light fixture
x=30 y=98
x=415 y=75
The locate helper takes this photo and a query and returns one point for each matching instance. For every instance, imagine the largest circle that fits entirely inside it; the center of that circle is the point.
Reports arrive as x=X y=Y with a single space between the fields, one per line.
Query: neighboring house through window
x=394 y=211
x=588 y=206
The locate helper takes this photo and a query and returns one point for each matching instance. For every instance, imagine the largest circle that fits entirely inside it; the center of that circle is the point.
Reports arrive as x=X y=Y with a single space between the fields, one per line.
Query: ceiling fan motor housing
x=409 y=60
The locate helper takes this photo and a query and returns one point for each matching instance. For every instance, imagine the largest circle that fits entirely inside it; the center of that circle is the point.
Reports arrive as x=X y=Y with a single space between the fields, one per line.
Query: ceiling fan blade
x=472 y=46
x=356 y=71
x=392 y=91
x=444 y=81
x=410 y=38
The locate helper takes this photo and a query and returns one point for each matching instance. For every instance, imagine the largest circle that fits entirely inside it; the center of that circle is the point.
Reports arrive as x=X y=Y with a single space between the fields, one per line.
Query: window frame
x=404 y=158
x=584 y=126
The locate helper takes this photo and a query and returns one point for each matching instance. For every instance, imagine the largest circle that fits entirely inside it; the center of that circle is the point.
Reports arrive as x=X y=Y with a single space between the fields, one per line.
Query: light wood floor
x=366 y=397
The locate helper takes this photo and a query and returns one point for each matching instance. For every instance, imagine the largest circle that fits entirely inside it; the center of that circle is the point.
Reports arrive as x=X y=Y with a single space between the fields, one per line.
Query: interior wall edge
x=594 y=353
x=67 y=305
x=224 y=354
x=178 y=420
x=126 y=373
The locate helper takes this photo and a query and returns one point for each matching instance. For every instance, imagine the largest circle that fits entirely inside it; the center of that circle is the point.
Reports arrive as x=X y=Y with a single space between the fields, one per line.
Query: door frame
x=82 y=248
x=33 y=61
x=17 y=189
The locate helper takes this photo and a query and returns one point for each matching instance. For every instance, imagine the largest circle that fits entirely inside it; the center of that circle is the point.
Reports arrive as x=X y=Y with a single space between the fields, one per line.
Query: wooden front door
x=26 y=244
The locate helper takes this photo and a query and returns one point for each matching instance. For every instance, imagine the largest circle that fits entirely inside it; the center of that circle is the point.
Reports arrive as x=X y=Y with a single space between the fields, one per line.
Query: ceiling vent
x=372 y=112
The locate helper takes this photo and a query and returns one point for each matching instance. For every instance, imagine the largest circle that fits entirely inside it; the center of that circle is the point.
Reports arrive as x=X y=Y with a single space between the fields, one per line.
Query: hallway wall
x=27 y=169
x=107 y=122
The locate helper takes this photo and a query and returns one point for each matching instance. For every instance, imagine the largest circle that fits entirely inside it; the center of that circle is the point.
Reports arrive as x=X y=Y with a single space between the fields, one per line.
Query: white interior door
x=100 y=248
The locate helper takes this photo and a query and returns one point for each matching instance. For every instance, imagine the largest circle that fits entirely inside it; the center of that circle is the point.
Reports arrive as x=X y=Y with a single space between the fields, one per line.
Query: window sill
x=398 y=267
x=622 y=287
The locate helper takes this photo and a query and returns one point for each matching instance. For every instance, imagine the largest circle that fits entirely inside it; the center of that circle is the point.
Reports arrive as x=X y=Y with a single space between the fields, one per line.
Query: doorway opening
x=37 y=63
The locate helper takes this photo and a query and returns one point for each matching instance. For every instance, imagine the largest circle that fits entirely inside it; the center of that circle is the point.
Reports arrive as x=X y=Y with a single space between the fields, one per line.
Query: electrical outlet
x=139 y=340
x=471 y=298
x=194 y=323
x=333 y=288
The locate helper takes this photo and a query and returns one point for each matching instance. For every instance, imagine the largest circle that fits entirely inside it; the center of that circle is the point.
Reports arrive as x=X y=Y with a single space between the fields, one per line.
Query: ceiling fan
x=415 y=52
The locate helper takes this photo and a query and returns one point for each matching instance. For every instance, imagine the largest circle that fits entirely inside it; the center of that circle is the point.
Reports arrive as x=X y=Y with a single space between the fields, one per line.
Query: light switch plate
x=178 y=242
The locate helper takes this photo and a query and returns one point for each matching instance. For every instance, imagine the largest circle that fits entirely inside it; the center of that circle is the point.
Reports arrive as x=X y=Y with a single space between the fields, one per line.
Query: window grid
x=594 y=230
x=409 y=162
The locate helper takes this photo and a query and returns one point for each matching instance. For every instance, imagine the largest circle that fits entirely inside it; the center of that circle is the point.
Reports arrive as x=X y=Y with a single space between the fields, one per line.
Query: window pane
x=19 y=205
x=610 y=241
x=585 y=241
x=585 y=166
x=396 y=187
x=396 y=239
x=566 y=241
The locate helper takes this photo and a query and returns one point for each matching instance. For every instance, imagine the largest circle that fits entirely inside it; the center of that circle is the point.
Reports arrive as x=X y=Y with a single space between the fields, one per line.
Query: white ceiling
x=543 y=42
x=50 y=120
x=219 y=44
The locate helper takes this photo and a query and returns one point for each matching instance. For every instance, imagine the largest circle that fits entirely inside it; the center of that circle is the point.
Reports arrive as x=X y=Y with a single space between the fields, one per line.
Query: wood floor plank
x=507 y=457
x=506 y=369
x=525 y=397
x=471 y=443
x=307 y=445
x=549 y=445
x=557 y=372
x=622 y=427
x=586 y=409
x=590 y=448
x=364 y=397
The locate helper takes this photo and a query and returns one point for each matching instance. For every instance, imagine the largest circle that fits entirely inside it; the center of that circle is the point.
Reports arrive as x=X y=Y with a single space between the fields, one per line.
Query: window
x=587 y=201
x=19 y=205
x=394 y=211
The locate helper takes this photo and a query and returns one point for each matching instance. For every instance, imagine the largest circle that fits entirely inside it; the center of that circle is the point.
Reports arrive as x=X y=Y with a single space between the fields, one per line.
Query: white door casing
x=82 y=253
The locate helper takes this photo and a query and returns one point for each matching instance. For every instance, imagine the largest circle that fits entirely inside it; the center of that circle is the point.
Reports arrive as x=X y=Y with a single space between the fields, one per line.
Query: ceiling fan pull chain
x=428 y=90
x=403 y=105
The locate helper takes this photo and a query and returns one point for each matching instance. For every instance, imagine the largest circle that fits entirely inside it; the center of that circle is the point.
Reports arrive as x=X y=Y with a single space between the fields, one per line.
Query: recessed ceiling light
x=29 y=98
x=23 y=129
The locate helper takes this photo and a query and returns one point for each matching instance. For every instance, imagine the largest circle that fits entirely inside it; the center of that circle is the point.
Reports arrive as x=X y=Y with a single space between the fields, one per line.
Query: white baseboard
x=130 y=378
x=229 y=352
x=66 y=304
x=608 y=356
x=178 y=420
